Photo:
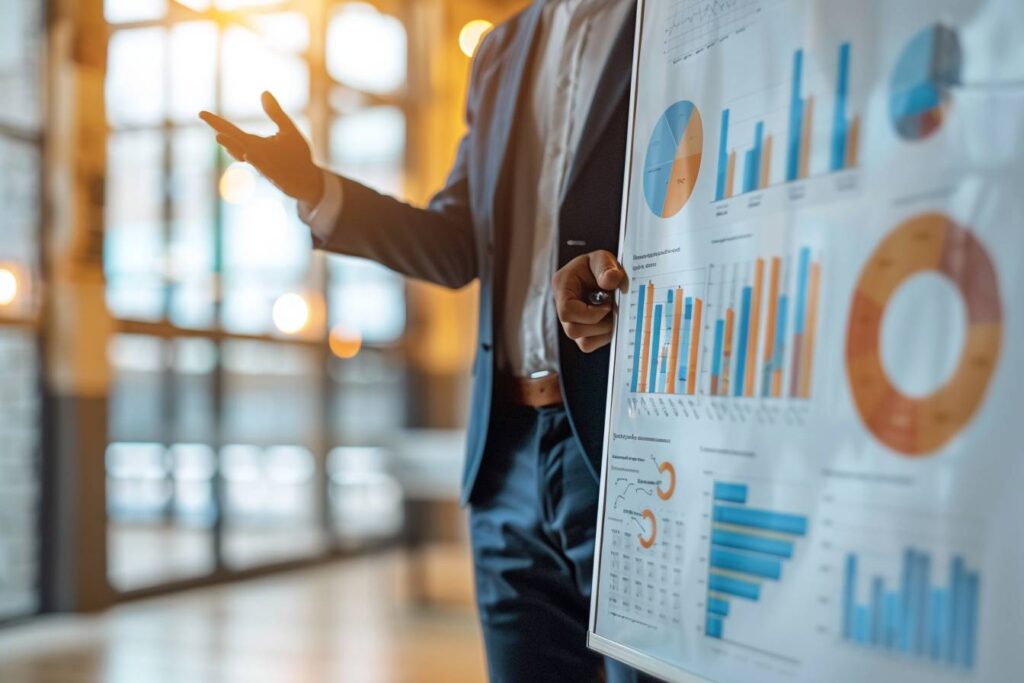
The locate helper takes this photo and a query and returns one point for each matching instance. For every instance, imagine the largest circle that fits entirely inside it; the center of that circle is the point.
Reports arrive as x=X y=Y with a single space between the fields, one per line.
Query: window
x=21 y=33
x=244 y=358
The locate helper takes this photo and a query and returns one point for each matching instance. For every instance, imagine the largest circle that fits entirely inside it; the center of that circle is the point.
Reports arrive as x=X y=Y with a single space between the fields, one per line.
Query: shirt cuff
x=322 y=218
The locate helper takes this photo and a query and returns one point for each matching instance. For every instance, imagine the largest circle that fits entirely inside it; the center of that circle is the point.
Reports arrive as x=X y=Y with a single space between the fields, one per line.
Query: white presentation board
x=813 y=465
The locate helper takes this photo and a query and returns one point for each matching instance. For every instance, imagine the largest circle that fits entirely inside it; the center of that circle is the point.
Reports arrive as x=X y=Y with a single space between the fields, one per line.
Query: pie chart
x=919 y=90
x=673 y=159
x=919 y=425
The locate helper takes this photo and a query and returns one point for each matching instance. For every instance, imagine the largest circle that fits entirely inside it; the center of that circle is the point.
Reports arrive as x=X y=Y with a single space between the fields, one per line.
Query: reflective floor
x=350 y=621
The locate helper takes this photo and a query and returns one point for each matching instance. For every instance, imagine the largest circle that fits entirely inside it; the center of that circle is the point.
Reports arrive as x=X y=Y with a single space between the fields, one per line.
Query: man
x=537 y=182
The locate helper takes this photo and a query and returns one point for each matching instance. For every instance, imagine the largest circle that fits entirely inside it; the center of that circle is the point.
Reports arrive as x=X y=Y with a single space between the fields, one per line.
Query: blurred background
x=189 y=396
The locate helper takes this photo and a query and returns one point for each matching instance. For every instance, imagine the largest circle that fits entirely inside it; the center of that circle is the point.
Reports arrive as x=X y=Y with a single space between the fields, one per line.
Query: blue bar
x=861 y=625
x=921 y=604
x=971 y=620
x=741 y=359
x=937 y=630
x=731 y=586
x=758 y=153
x=877 y=625
x=663 y=373
x=839 y=121
x=957 y=610
x=716 y=360
x=734 y=493
x=769 y=546
x=685 y=353
x=761 y=519
x=713 y=627
x=723 y=157
x=638 y=339
x=908 y=621
x=849 y=595
x=780 y=338
x=718 y=606
x=749 y=179
x=892 y=616
x=801 y=291
x=655 y=349
x=739 y=561
x=796 y=116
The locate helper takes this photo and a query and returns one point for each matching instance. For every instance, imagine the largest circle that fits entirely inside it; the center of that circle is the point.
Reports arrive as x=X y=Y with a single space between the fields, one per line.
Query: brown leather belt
x=533 y=392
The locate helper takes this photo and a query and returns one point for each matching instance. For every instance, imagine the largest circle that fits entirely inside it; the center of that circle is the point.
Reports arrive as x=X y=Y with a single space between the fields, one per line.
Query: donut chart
x=928 y=242
x=666 y=493
x=673 y=159
x=648 y=541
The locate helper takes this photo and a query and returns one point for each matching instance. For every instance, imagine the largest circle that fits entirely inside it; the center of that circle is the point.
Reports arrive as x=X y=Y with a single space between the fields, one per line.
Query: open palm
x=284 y=158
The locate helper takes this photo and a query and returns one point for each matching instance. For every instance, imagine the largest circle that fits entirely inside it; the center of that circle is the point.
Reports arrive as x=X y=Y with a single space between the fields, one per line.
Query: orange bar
x=777 y=383
x=766 y=161
x=852 y=142
x=673 y=358
x=727 y=351
x=691 y=370
x=730 y=174
x=645 y=347
x=755 y=327
x=805 y=137
x=812 y=321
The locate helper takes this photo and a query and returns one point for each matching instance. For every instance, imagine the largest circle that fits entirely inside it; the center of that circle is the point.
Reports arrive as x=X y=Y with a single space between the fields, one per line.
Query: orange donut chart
x=928 y=242
x=648 y=541
x=663 y=468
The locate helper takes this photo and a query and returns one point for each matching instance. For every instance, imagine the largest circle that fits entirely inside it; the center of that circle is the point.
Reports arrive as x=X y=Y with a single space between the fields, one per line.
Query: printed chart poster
x=813 y=467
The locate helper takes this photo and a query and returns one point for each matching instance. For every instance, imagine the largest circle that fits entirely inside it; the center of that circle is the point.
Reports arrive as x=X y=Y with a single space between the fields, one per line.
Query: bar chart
x=913 y=616
x=756 y=161
x=666 y=339
x=765 y=323
x=749 y=548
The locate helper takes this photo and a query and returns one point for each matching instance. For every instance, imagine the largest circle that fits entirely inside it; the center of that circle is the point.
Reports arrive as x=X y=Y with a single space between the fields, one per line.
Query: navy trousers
x=532 y=520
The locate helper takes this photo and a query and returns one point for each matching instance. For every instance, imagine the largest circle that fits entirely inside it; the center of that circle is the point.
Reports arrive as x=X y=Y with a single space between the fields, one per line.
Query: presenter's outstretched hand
x=283 y=158
x=589 y=325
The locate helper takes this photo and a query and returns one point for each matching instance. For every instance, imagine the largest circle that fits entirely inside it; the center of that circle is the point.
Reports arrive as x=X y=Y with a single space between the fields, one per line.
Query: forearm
x=435 y=244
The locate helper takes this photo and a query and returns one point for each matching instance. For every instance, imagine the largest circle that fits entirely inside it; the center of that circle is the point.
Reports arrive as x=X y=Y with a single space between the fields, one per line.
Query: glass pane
x=366 y=49
x=19 y=466
x=160 y=513
x=20 y=63
x=271 y=507
x=364 y=495
x=137 y=395
x=193 y=233
x=19 y=195
x=366 y=298
x=193 y=67
x=287 y=31
x=369 y=146
x=250 y=67
x=133 y=10
x=369 y=398
x=134 y=251
x=272 y=393
x=135 y=77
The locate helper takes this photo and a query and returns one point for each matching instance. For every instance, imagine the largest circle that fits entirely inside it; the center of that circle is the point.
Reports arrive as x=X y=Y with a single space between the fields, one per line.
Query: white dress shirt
x=574 y=41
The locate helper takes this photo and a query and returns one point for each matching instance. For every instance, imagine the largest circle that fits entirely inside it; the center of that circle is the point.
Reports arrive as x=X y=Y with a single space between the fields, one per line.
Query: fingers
x=591 y=344
x=236 y=151
x=607 y=272
x=277 y=115
x=578 y=331
x=226 y=128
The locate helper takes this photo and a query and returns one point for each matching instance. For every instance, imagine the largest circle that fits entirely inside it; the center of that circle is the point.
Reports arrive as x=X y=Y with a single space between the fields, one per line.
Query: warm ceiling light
x=291 y=313
x=8 y=286
x=471 y=35
x=345 y=343
x=237 y=184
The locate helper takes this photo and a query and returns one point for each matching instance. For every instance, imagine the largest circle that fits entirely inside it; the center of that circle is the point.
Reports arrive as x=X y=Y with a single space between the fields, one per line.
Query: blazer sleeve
x=436 y=243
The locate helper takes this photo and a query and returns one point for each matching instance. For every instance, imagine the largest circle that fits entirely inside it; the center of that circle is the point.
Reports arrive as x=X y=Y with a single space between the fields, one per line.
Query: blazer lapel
x=613 y=86
x=509 y=98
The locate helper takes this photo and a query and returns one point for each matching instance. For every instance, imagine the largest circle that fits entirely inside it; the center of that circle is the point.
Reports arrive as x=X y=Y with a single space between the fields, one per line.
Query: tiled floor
x=351 y=621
